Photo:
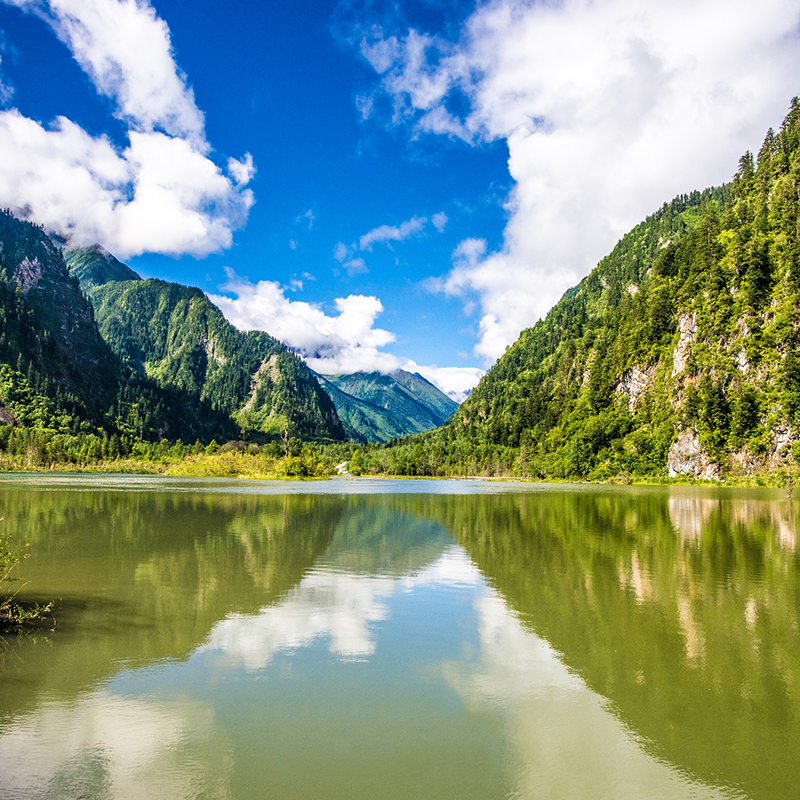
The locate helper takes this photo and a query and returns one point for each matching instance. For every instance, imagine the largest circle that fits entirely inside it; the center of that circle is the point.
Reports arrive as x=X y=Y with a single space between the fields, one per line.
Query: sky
x=380 y=185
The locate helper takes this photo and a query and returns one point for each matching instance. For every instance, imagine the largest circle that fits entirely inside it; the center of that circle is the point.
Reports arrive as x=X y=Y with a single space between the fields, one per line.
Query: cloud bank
x=344 y=342
x=161 y=192
x=608 y=110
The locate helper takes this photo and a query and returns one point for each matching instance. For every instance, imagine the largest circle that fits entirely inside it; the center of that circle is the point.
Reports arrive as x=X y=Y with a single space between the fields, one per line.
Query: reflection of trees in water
x=681 y=607
x=380 y=536
x=145 y=576
x=148 y=576
x=682 y=610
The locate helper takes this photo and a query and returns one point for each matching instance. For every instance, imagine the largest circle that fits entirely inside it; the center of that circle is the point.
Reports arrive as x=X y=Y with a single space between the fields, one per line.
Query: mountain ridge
x=177 y=337
x=380 y=407
x=676 y=356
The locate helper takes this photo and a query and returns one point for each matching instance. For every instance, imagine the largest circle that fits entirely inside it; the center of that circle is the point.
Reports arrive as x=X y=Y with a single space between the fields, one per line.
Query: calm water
x=378 y=639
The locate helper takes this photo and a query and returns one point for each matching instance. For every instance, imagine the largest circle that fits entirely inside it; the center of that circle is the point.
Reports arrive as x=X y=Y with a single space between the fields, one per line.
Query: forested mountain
x=94 y=266
x=376 y=407
x=678 y=354
x=178 y=338
x=56 y=372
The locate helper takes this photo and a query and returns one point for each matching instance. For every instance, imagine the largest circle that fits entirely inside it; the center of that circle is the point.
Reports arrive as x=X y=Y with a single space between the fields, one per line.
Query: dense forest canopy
x=677 y=354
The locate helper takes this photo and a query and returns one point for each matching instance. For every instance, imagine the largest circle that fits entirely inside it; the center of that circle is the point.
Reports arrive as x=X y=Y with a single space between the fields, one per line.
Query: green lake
x=401 y=639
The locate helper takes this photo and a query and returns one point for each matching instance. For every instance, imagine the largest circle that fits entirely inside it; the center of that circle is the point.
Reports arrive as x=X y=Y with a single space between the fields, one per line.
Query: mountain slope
x=56 y=372
x=177 y=337
x=363 y=422
x=378 y=408
x=677 y=355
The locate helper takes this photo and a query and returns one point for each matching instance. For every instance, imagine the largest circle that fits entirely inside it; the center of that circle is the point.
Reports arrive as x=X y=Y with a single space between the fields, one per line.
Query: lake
x=401 y=639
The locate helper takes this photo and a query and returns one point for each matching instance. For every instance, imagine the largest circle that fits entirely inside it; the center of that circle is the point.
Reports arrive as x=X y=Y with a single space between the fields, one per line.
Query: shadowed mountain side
x=56 y=371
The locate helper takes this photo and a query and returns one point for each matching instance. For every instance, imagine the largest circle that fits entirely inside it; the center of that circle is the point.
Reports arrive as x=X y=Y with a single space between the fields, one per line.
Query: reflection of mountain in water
x=376 y=550
x=145 y=576
x=680 y=607
x=379 y=537
x=238 y=574
x=682 y=610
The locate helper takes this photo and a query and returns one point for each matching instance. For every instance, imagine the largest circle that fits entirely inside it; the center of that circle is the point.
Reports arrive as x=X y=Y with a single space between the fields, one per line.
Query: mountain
x=677 y=355
x=179 y=339
x=377 y=407
x=56 y=372
x=94 y=266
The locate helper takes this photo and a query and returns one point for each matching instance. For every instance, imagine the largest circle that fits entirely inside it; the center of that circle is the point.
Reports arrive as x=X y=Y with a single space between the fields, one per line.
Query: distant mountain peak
x=377 y=406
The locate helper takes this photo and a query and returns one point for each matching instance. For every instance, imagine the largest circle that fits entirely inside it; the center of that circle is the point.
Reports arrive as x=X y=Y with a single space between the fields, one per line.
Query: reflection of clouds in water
x=111 y=746
x=566 y=742
x=338 y=605
x=324 y=604
x=452 y=568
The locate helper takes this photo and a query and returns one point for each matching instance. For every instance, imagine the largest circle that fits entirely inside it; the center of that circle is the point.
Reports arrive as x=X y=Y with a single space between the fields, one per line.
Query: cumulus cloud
x=344 y=342
x=608 y=110
x=161 y=192
x=304 y=326
x=439 y=221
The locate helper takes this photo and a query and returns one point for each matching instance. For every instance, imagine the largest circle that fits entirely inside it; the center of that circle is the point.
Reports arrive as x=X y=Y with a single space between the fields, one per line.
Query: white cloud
x=305 y=326
x=340 y=252
x=355 y=266
x=392 y=233
x=161 y=192
x=455 y=382
x=345 y=342
x=126 y=51
x=242 y=171
x=307 y=218
x=439 y=221
x=608 y=110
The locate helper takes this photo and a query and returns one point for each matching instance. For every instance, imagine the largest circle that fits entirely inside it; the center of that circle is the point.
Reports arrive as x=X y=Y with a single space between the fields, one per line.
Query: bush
x=14 y=615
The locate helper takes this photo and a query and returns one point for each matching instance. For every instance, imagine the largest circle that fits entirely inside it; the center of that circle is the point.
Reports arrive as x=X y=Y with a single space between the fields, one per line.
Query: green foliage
x=691 y=323
x=14 y=615
x=176 y=337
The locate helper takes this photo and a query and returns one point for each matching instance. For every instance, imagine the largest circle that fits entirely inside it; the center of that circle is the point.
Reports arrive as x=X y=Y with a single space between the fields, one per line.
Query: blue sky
x=379 y=184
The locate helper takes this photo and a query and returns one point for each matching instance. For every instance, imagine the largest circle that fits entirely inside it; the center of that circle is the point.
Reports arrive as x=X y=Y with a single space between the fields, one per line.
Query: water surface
x=395 y=639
